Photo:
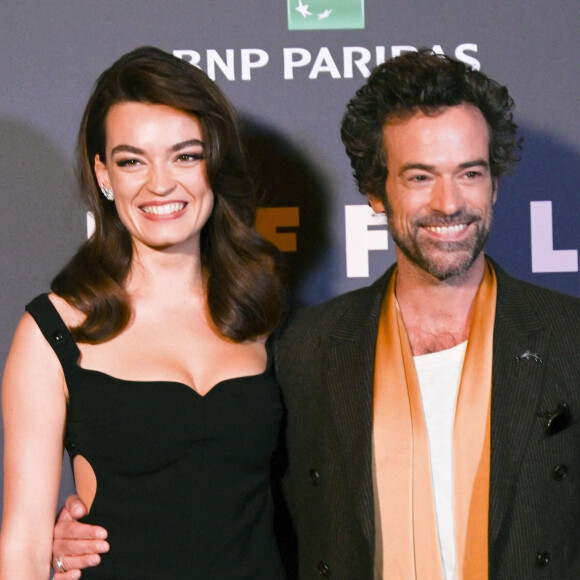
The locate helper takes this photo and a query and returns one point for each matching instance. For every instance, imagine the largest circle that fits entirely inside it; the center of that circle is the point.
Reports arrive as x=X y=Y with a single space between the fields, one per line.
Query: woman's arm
x=34 y=411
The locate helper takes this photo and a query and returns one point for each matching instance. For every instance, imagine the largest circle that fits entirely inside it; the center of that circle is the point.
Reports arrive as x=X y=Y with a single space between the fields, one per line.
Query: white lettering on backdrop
x=232 y=64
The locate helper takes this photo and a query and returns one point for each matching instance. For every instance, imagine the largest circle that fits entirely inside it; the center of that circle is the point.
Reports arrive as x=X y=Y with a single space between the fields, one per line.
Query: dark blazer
x=325 y=365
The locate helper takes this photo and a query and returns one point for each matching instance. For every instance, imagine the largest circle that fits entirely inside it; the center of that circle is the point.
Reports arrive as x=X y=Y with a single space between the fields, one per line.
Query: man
x=432 y=417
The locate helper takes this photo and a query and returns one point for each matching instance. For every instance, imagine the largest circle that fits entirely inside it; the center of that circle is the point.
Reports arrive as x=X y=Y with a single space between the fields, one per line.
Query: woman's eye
x=128 y=162
x=190 y=157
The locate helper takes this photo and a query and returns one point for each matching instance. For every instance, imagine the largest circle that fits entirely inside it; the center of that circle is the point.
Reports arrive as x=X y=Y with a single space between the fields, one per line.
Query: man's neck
x=437 y=313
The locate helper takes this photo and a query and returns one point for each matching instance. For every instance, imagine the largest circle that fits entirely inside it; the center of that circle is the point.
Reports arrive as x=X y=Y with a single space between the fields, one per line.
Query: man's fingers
x=74 y=564
x=67 y=531
x=75 y=545
x=70 y=575
x=73 y=508
x=69 y=549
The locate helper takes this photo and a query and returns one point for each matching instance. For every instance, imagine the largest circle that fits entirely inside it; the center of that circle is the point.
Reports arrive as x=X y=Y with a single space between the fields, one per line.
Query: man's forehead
x=436 y=132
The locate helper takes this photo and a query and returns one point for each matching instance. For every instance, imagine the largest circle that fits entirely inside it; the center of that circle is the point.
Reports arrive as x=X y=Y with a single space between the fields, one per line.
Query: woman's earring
x=108 y=193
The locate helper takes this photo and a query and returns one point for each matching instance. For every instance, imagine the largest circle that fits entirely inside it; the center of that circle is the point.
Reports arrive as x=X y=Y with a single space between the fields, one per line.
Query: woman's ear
x=101 y=172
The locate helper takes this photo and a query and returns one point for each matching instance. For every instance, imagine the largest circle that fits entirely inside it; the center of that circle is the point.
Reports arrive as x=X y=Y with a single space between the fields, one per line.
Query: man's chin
x=444 y=264
x=444 y=270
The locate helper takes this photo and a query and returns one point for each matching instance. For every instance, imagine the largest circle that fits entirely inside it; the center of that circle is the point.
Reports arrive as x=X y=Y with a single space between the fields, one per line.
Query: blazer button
x=315 y=477
x=323 y=569
x=542 y=559
x=560 y=472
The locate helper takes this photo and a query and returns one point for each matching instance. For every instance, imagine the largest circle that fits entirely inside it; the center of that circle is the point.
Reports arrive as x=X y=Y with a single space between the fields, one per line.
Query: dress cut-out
x=82 y=469
x=183 y=481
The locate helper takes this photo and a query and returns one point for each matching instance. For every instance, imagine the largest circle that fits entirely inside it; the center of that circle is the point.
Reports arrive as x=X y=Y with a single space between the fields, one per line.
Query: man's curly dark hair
x=427 y=82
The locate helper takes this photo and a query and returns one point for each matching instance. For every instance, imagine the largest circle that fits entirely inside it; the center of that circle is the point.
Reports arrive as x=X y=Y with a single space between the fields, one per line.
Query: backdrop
x=289 y=66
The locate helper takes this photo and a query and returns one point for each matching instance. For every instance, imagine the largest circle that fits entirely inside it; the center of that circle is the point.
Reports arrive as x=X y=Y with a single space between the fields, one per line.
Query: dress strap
x=54 y=330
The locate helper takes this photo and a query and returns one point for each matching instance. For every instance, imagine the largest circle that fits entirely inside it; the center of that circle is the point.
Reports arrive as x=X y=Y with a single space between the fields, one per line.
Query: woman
x=148 y=360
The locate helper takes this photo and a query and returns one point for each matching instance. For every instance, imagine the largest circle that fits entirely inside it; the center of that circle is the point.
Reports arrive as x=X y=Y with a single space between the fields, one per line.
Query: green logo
x=325 y=14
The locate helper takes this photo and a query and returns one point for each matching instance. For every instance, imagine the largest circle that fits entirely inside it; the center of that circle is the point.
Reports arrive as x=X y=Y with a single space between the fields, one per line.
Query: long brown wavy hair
x=244 y=291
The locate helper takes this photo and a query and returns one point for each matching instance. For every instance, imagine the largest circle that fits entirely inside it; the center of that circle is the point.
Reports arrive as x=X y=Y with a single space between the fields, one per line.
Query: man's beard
x=433 y=256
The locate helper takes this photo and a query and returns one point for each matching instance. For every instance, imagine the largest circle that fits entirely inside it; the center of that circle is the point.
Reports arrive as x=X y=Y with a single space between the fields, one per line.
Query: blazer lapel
x=349 y=376
x=517 y=383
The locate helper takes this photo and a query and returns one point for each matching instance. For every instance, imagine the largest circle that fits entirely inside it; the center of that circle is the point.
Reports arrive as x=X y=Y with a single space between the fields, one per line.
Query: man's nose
x=446 y=196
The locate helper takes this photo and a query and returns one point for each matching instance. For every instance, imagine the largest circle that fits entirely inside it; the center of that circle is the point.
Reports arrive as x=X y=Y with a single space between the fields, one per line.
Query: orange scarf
x=408 y=525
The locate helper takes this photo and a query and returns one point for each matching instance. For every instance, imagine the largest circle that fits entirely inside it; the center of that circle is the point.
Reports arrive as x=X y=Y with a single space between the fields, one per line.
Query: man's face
x=439 y=190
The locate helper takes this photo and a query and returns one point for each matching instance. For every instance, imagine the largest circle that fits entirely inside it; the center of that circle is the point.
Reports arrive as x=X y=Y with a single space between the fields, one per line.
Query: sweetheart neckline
x=172 y=382
x=77 y=354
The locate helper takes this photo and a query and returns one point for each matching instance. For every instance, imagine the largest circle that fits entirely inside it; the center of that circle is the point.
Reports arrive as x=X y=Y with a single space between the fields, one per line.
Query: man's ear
x=494 y=190
x=101 y=172
x=376 y=203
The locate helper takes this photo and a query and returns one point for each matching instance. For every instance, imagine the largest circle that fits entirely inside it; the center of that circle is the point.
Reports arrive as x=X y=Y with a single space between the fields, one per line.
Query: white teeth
x=164 y=209
x=447 y=229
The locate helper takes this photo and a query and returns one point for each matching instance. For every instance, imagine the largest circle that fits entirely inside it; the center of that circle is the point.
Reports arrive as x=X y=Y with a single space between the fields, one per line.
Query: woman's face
x=155 y=166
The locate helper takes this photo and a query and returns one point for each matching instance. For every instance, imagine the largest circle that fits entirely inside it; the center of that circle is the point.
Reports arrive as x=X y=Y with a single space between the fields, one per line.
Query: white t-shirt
x=439 y=375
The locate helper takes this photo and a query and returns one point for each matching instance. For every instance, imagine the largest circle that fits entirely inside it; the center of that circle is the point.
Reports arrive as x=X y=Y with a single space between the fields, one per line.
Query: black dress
x=183 y=482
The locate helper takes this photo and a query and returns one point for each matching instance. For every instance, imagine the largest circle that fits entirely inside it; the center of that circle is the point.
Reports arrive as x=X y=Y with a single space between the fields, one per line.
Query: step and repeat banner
x=289 y=67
